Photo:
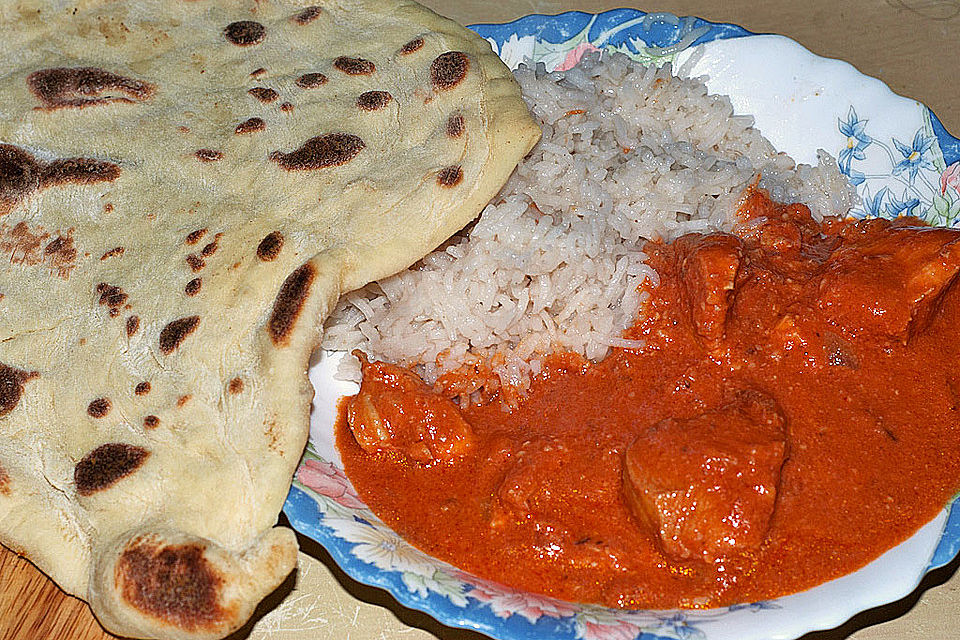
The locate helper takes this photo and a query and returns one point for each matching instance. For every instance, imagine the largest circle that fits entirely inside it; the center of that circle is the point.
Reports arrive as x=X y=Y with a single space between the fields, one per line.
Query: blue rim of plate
x=658 y=30
x=308 y=511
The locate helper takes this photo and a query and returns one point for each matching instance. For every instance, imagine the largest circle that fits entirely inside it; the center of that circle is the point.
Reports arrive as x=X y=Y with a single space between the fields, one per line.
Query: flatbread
x=186 y=187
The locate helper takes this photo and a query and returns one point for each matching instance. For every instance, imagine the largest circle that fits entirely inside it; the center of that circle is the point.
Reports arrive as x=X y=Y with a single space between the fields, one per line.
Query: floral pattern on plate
x=917 y=181
x=913 y=171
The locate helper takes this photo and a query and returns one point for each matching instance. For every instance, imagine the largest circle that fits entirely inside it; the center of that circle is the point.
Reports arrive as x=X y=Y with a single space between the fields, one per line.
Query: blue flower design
x=915 y=156
x=857 y=141
x=872 y=205
x=679 y=627
x=856 y=177
x=903 y=207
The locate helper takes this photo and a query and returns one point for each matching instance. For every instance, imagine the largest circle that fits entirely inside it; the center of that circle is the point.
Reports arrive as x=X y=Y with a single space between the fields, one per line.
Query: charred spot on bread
x=354 y=66
x=106 y=465
x=21 y=174
x=245 y=33
x=133 y=325
x=450 y=176
x=11 y=386
x=192 y=288
x=211 y=247
x=174 y=583
x=250 y=125
x=320 y=152
x=448 y=70
x=99 y=408
x=173 y=335
x=456 y=125
x=79 y=171
x=26 y=246
x=55 y=245
x=289 y=304
x=112 y=297
x=373 y=100
x=61 y=252
x=311 y=80
x=269 y=248
x=264 y=94
x=414 y=45
x=195 y=262
x=307 y=15
x=79 y=87
x=195 y=236
x=208 y=155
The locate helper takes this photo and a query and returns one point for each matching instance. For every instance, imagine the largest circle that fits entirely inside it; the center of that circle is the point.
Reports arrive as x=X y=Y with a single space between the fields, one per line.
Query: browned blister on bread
x=161 y=583
x=79 y=87
x=182 y=200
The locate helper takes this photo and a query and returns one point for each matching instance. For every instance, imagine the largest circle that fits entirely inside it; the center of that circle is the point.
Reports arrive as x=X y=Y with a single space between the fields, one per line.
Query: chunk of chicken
x=396 y=411
x=889 y=282
x=708 y=269
x=707 y=487
x=529 y=484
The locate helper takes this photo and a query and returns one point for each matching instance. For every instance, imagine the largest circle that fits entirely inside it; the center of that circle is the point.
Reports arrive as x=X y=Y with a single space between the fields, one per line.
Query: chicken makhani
x=792 y=413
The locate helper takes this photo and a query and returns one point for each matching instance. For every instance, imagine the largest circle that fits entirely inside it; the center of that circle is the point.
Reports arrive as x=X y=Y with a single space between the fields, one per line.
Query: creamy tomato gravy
x=793 y=415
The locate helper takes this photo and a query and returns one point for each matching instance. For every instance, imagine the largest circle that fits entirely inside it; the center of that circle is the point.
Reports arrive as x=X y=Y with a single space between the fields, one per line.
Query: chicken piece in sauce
x=708 y=271
x=888 y=277
x=707 y=487
x=395 y=411
x=786 y=284
x=874 y=278
x=526 y=486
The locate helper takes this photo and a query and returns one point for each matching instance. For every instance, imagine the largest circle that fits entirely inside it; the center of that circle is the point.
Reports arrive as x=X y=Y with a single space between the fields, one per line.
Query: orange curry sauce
x=793 y=414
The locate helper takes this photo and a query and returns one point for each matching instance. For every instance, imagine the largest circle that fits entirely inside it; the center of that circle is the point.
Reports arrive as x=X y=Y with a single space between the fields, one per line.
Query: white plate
x=901 y=160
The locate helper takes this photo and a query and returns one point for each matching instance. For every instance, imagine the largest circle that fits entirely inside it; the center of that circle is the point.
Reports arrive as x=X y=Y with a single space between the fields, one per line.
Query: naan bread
x=186 y=187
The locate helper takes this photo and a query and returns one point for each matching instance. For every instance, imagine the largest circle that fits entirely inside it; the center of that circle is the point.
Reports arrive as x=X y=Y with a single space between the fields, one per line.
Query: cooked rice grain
x=628 y=153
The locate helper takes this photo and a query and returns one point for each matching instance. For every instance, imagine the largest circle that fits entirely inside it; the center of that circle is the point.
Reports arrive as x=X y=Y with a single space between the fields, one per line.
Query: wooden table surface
x=913 y=45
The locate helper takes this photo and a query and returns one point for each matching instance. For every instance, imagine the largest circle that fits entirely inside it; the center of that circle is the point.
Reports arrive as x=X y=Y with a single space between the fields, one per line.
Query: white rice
x=628 y=153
